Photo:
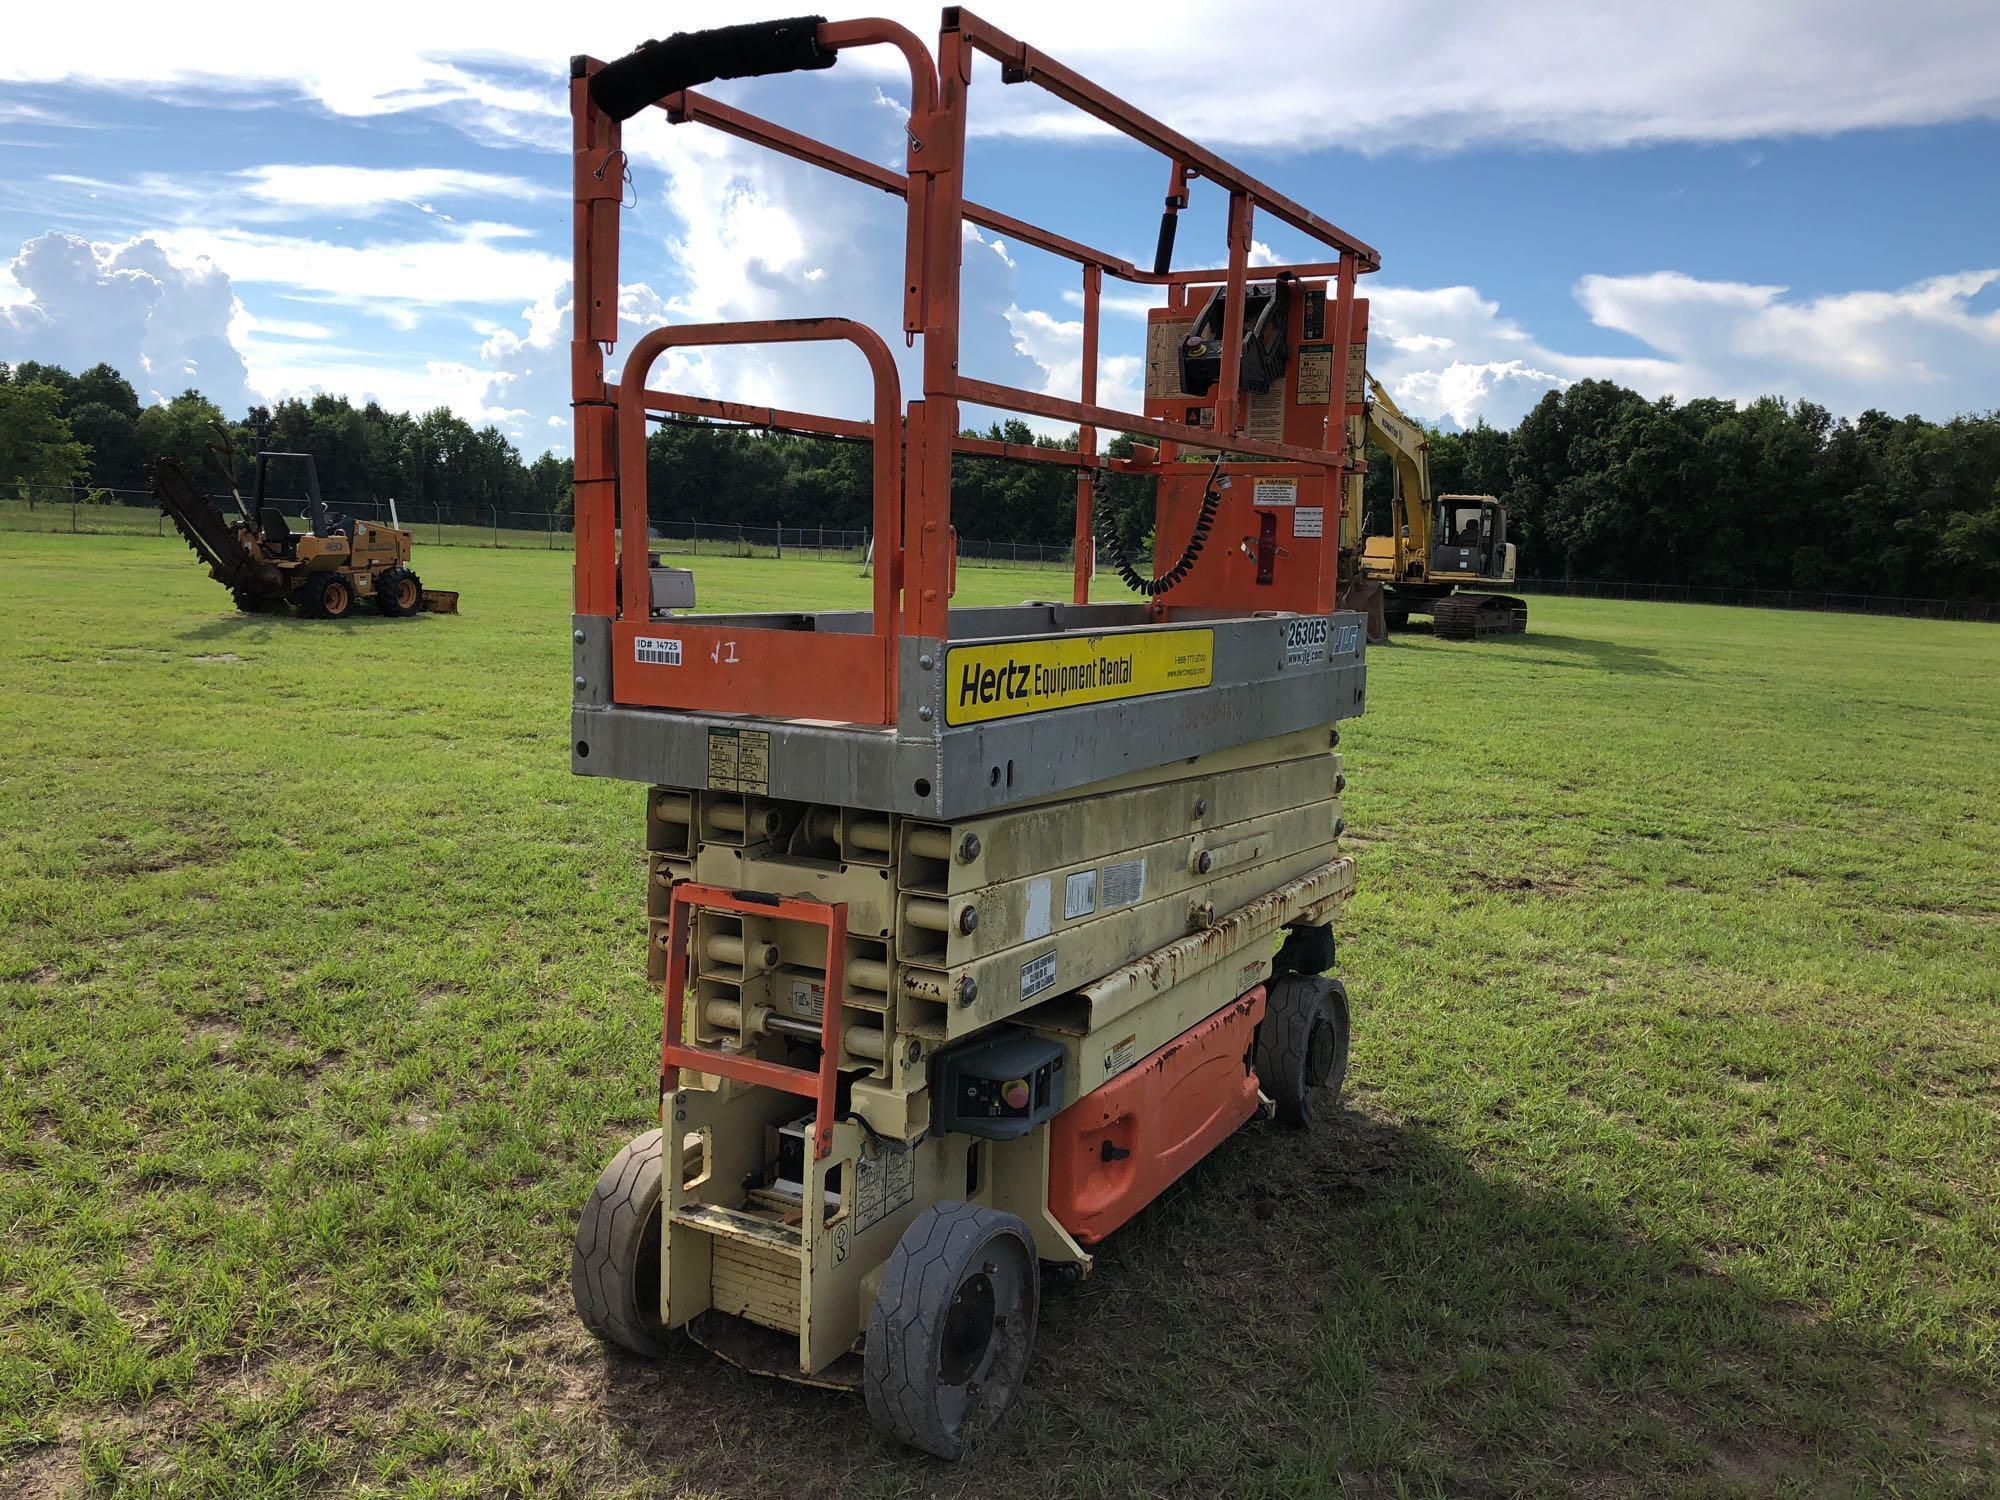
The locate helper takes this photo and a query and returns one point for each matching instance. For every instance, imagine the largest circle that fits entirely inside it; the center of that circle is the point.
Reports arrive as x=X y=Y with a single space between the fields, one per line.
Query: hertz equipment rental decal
x=1010 y=678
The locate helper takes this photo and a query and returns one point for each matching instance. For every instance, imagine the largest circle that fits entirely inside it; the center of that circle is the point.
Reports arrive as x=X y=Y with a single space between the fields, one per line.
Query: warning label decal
x=739 y=760
x=808 y=999
x=1123 y=883
x=1009 y=678
x=1315 y=382
x=884 y=1180
x=1037 y=974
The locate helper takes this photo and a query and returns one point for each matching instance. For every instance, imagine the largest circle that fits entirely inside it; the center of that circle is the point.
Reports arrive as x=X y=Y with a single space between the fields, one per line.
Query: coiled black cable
x=1204 y=522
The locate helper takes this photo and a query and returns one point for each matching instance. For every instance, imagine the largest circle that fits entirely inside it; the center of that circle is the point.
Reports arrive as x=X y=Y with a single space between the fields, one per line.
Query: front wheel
x=614 y=1268
x=328 y=596
x=1302 y=1046
x=952 y=1327
x=397 y=592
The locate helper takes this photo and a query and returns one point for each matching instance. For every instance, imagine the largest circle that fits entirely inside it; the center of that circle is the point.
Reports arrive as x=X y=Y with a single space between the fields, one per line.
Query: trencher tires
x=952 y=1328
x=327 y=596
x=1302 y=1047
x=614 y=1269
x=398 y=593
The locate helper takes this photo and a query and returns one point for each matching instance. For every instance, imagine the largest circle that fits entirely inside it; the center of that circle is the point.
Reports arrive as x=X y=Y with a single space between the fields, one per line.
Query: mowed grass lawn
x=1669 y=1164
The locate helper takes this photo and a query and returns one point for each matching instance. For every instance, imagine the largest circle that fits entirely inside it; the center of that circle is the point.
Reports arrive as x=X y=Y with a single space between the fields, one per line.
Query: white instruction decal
x=1037 y=974
x=808 y=1000
x=1079 y=895
x=1123 y=884
x=884 y=1180
x=656 y=650
x=1275 y=492
x=1309 y=520
x=1036 y=922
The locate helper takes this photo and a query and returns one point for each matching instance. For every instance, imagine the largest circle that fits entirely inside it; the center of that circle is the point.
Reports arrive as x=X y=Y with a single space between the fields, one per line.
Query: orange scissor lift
x=977 y=927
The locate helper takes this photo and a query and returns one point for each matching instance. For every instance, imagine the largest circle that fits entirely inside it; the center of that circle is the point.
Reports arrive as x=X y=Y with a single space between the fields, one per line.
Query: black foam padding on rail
x=1163 y=253
x=658 y=68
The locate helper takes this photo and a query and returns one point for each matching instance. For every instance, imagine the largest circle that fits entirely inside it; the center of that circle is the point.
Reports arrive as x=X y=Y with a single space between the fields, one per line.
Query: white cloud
x=1056 y=345
x=462 y=266
x=1438 y=75
x=324 y=187
x=165 y=325
x=1573 y=73
x=1920 y=347
x=1450 y=354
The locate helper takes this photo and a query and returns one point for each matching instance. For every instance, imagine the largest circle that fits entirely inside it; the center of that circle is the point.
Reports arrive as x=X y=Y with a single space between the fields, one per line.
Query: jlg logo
x=978 y=684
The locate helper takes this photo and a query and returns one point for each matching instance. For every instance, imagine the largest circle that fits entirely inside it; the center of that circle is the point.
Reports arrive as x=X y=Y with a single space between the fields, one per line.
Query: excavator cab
x=1469 y=537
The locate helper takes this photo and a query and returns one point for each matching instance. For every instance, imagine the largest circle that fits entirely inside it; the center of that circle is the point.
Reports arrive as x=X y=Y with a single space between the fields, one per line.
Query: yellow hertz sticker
x=1010 y=678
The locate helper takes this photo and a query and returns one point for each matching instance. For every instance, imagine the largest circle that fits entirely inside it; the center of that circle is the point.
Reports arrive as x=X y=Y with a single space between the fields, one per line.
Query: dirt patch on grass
x=1540 y=885
x=50 y=1473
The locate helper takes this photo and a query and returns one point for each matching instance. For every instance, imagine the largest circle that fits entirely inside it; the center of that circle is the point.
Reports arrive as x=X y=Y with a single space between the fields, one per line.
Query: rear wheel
x=397 y=592
x=952 y=1327
x=614 y=1267
x=328 y=596
x=1302 y=1046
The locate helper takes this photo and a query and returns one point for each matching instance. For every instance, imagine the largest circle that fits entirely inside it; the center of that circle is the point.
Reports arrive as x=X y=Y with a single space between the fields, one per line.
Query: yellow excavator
x=1435 y=545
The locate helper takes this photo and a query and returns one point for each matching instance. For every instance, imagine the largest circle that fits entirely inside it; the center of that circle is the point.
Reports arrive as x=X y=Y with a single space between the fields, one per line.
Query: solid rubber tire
x=1301 y=1010
x=946 y=1247
x=614 y=1268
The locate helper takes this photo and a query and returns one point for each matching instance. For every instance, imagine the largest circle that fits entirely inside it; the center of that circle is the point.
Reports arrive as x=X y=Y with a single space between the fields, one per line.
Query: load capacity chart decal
x=1009 y=678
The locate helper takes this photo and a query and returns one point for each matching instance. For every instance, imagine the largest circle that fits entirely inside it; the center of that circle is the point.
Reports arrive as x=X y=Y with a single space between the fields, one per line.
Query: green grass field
x=1670 y=1162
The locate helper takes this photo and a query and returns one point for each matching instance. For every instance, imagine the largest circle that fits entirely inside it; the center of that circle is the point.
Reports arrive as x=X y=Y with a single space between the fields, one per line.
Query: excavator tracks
x=1472 y=617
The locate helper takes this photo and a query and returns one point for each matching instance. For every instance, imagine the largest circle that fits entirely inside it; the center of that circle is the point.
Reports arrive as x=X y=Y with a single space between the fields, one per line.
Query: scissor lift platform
x=972 y=729
x=975 y=927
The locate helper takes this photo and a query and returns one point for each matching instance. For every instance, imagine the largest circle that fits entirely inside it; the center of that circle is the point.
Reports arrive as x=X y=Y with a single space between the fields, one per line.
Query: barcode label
x=1079 y=895
x=656 y=650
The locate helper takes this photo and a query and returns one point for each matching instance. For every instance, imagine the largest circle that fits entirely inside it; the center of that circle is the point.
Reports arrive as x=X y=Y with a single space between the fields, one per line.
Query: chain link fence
x=133 y=512
x=1748 y=598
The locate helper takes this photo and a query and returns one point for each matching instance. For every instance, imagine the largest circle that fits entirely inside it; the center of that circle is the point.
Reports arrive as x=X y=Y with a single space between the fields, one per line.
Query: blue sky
x=1702 y=199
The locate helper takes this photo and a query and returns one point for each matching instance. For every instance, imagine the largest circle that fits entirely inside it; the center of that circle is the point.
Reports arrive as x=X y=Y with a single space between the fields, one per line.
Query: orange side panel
x=1153 y=1122
x=781 y=674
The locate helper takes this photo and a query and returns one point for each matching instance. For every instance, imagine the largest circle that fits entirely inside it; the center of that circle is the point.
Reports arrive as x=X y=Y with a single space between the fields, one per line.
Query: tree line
x=1599 y=481
x=91 y=430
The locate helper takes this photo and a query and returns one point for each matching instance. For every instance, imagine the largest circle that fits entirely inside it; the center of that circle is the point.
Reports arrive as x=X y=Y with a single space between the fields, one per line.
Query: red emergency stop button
x=1015 y=1092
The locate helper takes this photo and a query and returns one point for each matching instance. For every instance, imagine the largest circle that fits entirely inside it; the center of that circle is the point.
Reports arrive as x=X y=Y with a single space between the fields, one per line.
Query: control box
x=999 y=1086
